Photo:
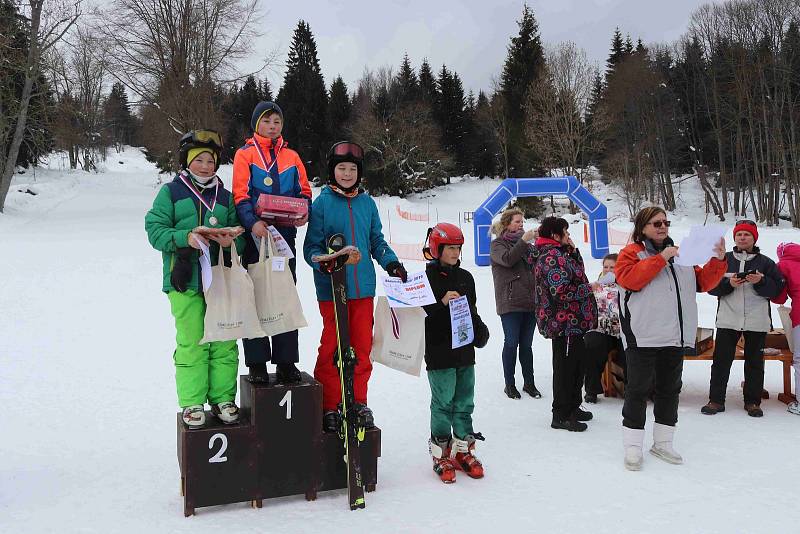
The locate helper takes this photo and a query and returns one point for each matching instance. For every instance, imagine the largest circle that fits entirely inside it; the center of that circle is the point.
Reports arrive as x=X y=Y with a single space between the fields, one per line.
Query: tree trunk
x=31 y=71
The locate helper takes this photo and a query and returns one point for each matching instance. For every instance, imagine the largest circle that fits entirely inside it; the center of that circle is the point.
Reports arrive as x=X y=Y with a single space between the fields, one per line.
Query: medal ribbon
x=199 y=196
x=267 y=168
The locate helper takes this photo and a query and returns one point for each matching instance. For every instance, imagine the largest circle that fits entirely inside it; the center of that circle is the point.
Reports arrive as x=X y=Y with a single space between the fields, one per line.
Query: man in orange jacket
x=266 y=165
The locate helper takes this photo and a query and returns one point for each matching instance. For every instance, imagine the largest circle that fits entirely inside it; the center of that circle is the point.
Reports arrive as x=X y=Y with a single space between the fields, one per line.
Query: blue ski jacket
x=358 y=220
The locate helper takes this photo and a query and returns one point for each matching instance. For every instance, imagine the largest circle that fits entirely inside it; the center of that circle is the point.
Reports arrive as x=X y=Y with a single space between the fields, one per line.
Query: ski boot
x=194 y=416
x=258 y=373
x=331 y=421
x=364 y=415
x=439 y=448
x=227 y=412
x=287 y=373
x=463 y=454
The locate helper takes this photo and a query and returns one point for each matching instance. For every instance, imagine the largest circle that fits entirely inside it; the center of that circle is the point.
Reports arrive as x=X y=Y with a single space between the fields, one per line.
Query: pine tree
x=523 y=65
x=120 y=125
x=408 y=85
x=427 y=83
x=264 y=90
x=339 y=109
x=628 y=45
x=448 y=112
x=483 y=147
x=304 y=101
x=617 y=54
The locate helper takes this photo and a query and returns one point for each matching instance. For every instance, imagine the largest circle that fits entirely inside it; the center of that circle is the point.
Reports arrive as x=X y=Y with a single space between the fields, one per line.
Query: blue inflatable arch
x=512 y=188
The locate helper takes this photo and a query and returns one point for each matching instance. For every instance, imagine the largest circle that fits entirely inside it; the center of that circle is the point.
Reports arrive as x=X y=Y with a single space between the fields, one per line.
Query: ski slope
x=88 y=396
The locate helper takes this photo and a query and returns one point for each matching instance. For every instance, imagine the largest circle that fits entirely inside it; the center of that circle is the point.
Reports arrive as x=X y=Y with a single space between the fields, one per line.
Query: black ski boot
x=364 y=414
x=331 y=421
x=288 y=374
x=258 y=373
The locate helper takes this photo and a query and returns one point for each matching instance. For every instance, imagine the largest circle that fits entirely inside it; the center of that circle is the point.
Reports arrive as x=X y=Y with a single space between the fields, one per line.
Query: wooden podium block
x=333 y=469
x=217 y=462
x=287 y=420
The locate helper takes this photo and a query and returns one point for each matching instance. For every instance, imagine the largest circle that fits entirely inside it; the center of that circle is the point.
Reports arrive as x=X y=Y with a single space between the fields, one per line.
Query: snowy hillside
x=88 y=396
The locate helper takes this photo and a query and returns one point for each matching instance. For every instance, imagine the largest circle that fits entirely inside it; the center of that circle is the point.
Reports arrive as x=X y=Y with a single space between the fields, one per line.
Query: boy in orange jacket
x=266 y=165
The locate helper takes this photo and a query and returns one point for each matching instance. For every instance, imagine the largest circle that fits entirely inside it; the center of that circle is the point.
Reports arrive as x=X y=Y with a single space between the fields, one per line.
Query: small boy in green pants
x=196 y=197
x=451 y=371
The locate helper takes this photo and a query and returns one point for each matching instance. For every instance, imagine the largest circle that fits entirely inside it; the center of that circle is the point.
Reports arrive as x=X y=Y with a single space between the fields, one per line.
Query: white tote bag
x=784 y=312
x=277 y=303
x=399 y=339
x=230 y=303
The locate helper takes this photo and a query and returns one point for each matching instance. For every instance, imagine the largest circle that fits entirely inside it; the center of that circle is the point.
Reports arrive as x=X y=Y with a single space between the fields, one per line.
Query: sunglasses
x=746 y=221
x=659 y=224
x=346 y=148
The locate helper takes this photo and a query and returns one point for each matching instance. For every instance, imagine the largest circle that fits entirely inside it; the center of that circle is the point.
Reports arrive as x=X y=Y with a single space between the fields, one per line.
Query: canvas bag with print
x=399 y=339
x=230 y=303
x=277 y=303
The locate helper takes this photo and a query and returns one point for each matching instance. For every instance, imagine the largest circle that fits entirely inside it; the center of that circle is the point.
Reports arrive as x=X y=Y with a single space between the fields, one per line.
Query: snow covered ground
x=88 y=425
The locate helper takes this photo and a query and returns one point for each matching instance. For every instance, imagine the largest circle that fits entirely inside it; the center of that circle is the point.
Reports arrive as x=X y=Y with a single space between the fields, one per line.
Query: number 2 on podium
x=287 y=400
x=218 y=458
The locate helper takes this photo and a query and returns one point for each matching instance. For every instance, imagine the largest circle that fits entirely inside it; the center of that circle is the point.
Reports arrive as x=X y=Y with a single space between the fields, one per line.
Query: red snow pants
x=360 y=316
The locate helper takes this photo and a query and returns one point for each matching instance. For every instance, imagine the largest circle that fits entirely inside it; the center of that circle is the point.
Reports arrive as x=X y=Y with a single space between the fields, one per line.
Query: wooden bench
x=785 y=357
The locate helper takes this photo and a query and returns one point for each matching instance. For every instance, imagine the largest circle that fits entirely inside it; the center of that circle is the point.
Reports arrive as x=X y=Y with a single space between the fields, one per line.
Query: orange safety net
x=618 y=238
x=408 y=251
x=407 y=215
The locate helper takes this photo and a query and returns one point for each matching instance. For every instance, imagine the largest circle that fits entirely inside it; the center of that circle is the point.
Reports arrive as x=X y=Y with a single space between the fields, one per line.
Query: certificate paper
x=461 y=322
x=698 y=247
x=415 y=292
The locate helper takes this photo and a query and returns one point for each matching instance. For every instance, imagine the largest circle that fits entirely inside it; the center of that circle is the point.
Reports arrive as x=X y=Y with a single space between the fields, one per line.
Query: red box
x=278 y=208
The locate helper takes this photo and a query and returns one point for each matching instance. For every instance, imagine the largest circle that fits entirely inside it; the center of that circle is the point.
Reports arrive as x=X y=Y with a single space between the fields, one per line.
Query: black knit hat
x=263 y=107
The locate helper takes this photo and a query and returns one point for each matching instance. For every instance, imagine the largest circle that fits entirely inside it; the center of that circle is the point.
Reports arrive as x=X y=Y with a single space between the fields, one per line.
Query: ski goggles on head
x=746 y=221
x=203 y=137
x=346 y=148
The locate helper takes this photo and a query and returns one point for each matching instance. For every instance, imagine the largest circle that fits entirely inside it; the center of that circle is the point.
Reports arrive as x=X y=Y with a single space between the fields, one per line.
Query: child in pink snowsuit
x=789 y=265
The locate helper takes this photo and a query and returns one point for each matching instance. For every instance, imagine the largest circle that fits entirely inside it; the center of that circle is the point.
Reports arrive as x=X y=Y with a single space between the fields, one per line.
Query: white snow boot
x=633 y=442
x=662 y=444
x=194 y=416
x=227 y=412
x=794 y=408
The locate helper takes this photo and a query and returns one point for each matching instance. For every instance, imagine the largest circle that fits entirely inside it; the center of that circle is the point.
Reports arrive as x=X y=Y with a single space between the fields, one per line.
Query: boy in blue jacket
x=343 y=208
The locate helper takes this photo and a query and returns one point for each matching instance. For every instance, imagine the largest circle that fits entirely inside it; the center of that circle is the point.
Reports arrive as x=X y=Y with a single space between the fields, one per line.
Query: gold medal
x=213 y=220
x=268 y=181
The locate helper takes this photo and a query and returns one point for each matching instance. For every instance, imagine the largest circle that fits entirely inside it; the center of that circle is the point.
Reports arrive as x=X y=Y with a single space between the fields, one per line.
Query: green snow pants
x=203 y=372
x=452 y=401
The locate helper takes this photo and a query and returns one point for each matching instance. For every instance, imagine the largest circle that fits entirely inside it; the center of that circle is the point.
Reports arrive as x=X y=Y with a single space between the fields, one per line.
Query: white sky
x=469 y=36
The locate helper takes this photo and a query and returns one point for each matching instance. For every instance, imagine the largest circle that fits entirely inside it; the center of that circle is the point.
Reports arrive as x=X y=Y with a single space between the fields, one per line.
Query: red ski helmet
x=440 y=235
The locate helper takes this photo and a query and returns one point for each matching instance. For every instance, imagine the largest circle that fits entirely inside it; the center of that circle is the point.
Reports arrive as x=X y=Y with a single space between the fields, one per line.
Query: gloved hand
x=182 y=269
x=481 y=335
x=328 y=267
x=396 y=269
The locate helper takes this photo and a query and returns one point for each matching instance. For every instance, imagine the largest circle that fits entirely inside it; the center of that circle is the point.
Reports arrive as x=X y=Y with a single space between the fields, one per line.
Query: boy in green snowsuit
x=196 y=197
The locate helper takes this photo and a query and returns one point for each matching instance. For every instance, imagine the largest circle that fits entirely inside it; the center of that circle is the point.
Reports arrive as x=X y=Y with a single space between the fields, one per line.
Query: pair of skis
x=351 y=429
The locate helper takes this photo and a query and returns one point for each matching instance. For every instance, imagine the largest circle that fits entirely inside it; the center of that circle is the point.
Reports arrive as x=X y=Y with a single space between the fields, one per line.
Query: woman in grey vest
x=658 y=314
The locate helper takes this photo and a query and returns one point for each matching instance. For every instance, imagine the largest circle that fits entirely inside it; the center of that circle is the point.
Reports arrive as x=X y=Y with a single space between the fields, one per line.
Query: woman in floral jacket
x=606 y=337
x=565 y=311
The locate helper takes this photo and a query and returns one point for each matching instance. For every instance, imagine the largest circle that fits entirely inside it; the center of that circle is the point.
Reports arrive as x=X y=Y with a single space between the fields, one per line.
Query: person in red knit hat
x=751 y=280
